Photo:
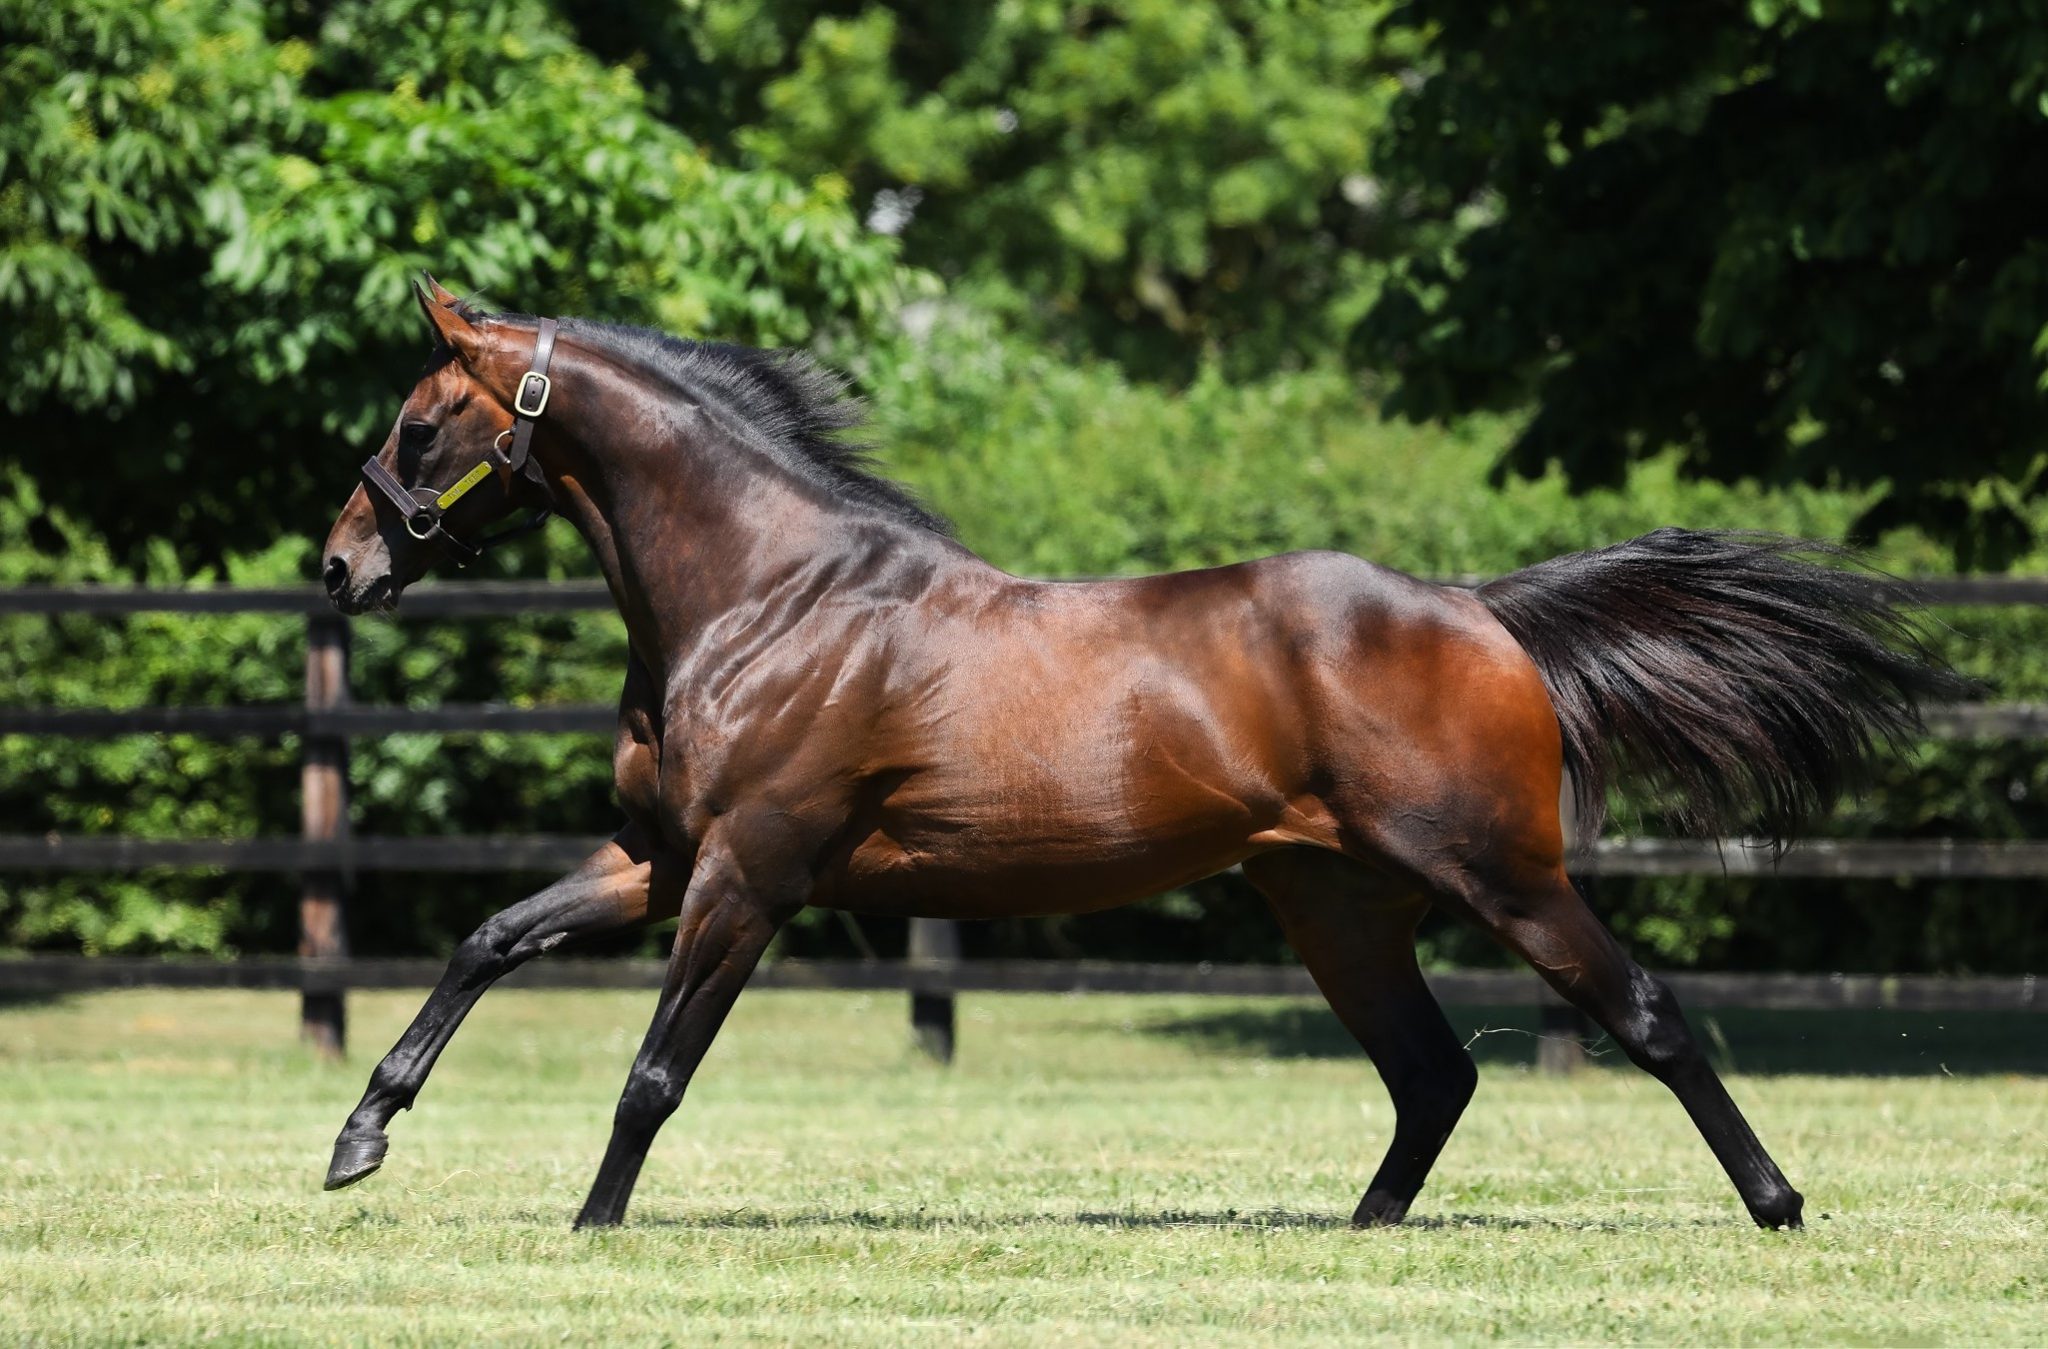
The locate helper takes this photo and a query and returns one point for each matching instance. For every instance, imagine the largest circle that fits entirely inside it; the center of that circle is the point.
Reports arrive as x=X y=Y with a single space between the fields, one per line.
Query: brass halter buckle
x=532 y=399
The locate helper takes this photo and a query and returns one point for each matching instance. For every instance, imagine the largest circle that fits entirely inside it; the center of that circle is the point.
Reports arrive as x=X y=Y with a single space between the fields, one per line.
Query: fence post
x=323 y=785
x=1561 y=1031
x=933 y=941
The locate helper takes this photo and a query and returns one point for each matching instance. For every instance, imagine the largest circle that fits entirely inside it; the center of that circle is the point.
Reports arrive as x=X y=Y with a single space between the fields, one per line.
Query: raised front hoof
x=354 y=1158
x=1379 y=1210
x=1781 y=1214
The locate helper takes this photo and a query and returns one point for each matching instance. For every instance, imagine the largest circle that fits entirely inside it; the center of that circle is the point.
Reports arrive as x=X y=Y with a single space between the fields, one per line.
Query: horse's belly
x=883 y=877
x=1066 y=849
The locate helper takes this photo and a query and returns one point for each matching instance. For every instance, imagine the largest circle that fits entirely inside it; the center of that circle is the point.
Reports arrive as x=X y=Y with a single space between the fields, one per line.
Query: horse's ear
x=442 y=295
x=422 y=297
x=449 y=326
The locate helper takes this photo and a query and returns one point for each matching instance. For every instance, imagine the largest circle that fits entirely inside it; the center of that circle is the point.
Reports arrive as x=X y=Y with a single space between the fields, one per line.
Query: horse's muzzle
x=348 y=597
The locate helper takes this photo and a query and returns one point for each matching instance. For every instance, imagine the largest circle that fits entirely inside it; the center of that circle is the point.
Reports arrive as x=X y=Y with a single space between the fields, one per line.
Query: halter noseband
x=423 y=518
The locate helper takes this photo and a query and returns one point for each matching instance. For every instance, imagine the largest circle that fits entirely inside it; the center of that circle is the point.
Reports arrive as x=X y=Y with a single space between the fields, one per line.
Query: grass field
x=1094 y=1170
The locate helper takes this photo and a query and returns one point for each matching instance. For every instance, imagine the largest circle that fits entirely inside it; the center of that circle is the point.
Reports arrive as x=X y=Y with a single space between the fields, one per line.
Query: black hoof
x=1781 y=1214
x=1379 y=1210
x=355 y=1158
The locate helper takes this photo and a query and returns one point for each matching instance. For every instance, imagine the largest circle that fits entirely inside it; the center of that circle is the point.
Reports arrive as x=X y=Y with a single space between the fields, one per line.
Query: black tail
x=1748 y=683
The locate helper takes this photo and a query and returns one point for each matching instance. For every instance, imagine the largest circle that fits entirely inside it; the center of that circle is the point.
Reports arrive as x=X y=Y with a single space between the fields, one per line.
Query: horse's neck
x=687 y=526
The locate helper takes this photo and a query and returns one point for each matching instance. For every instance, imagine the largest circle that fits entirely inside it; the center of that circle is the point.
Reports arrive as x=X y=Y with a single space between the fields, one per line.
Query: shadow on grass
x=1280 y=1218
x=20 y=999
x=921 y=1220
x=1842 y=1043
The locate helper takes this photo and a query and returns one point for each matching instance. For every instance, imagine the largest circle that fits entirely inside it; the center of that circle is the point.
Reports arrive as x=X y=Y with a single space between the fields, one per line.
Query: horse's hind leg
x=1535 y=912
x=1356 y=934
x=628 y=881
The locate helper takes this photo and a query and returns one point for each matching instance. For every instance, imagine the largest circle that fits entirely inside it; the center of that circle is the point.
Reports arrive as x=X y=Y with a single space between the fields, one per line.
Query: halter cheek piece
x=423 y=518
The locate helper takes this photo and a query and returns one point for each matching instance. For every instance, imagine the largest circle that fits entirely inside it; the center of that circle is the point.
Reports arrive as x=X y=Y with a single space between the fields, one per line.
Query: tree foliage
x=1151 y=179
x=209 y=212
x=1801 y=241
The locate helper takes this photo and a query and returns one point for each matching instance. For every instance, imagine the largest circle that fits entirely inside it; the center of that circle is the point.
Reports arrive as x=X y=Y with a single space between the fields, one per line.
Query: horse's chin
x=378 y=596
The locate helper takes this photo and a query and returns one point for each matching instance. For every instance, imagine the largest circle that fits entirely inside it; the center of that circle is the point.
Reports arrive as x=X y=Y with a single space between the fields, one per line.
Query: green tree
x=1158 y=178
x=1801 y=241
x=208 y=213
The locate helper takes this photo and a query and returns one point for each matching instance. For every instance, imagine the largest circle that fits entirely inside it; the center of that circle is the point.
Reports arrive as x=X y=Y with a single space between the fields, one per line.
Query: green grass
x=1094 y=1170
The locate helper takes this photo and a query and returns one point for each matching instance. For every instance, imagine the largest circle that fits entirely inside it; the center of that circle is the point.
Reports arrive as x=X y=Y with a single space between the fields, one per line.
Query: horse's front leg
x=630 y=880
x=739 y=898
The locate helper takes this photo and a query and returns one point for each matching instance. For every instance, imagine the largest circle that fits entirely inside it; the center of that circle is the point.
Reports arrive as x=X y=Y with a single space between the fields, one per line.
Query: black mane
x=799 y=409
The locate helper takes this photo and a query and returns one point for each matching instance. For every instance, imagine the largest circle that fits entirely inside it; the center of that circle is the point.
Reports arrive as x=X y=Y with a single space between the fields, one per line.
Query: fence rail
x=1771 y=992
x=326 y=855
x=275 y=719
x=481 y=599
x=1955 y=721
x=1842 y=859
x=455 y=599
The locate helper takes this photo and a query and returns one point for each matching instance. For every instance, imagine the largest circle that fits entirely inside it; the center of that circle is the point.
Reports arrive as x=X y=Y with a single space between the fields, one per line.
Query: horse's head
x=443 y=475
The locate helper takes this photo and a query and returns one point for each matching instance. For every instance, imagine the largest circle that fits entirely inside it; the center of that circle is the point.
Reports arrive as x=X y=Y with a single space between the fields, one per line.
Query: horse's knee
x=504 y=941
x=484 y=953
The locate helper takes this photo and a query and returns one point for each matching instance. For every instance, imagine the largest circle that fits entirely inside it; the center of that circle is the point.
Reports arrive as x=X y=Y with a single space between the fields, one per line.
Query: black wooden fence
x=325 y=853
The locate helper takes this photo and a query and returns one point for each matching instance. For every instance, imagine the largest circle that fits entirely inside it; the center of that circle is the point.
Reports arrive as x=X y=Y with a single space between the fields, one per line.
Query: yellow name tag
x=469 y=480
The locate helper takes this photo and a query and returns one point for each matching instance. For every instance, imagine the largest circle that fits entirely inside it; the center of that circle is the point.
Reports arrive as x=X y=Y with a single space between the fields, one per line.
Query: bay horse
x=829 y=701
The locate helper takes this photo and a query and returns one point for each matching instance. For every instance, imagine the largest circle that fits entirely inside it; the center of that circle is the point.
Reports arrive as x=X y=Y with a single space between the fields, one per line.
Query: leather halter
x=423 y=518
x=528 y=402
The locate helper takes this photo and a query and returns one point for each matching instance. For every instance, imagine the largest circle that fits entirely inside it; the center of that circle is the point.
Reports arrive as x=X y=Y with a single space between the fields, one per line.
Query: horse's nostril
x=336 y=575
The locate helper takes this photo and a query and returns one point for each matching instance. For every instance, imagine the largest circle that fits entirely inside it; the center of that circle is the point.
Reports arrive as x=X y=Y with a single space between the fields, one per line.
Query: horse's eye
x=416 y=435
